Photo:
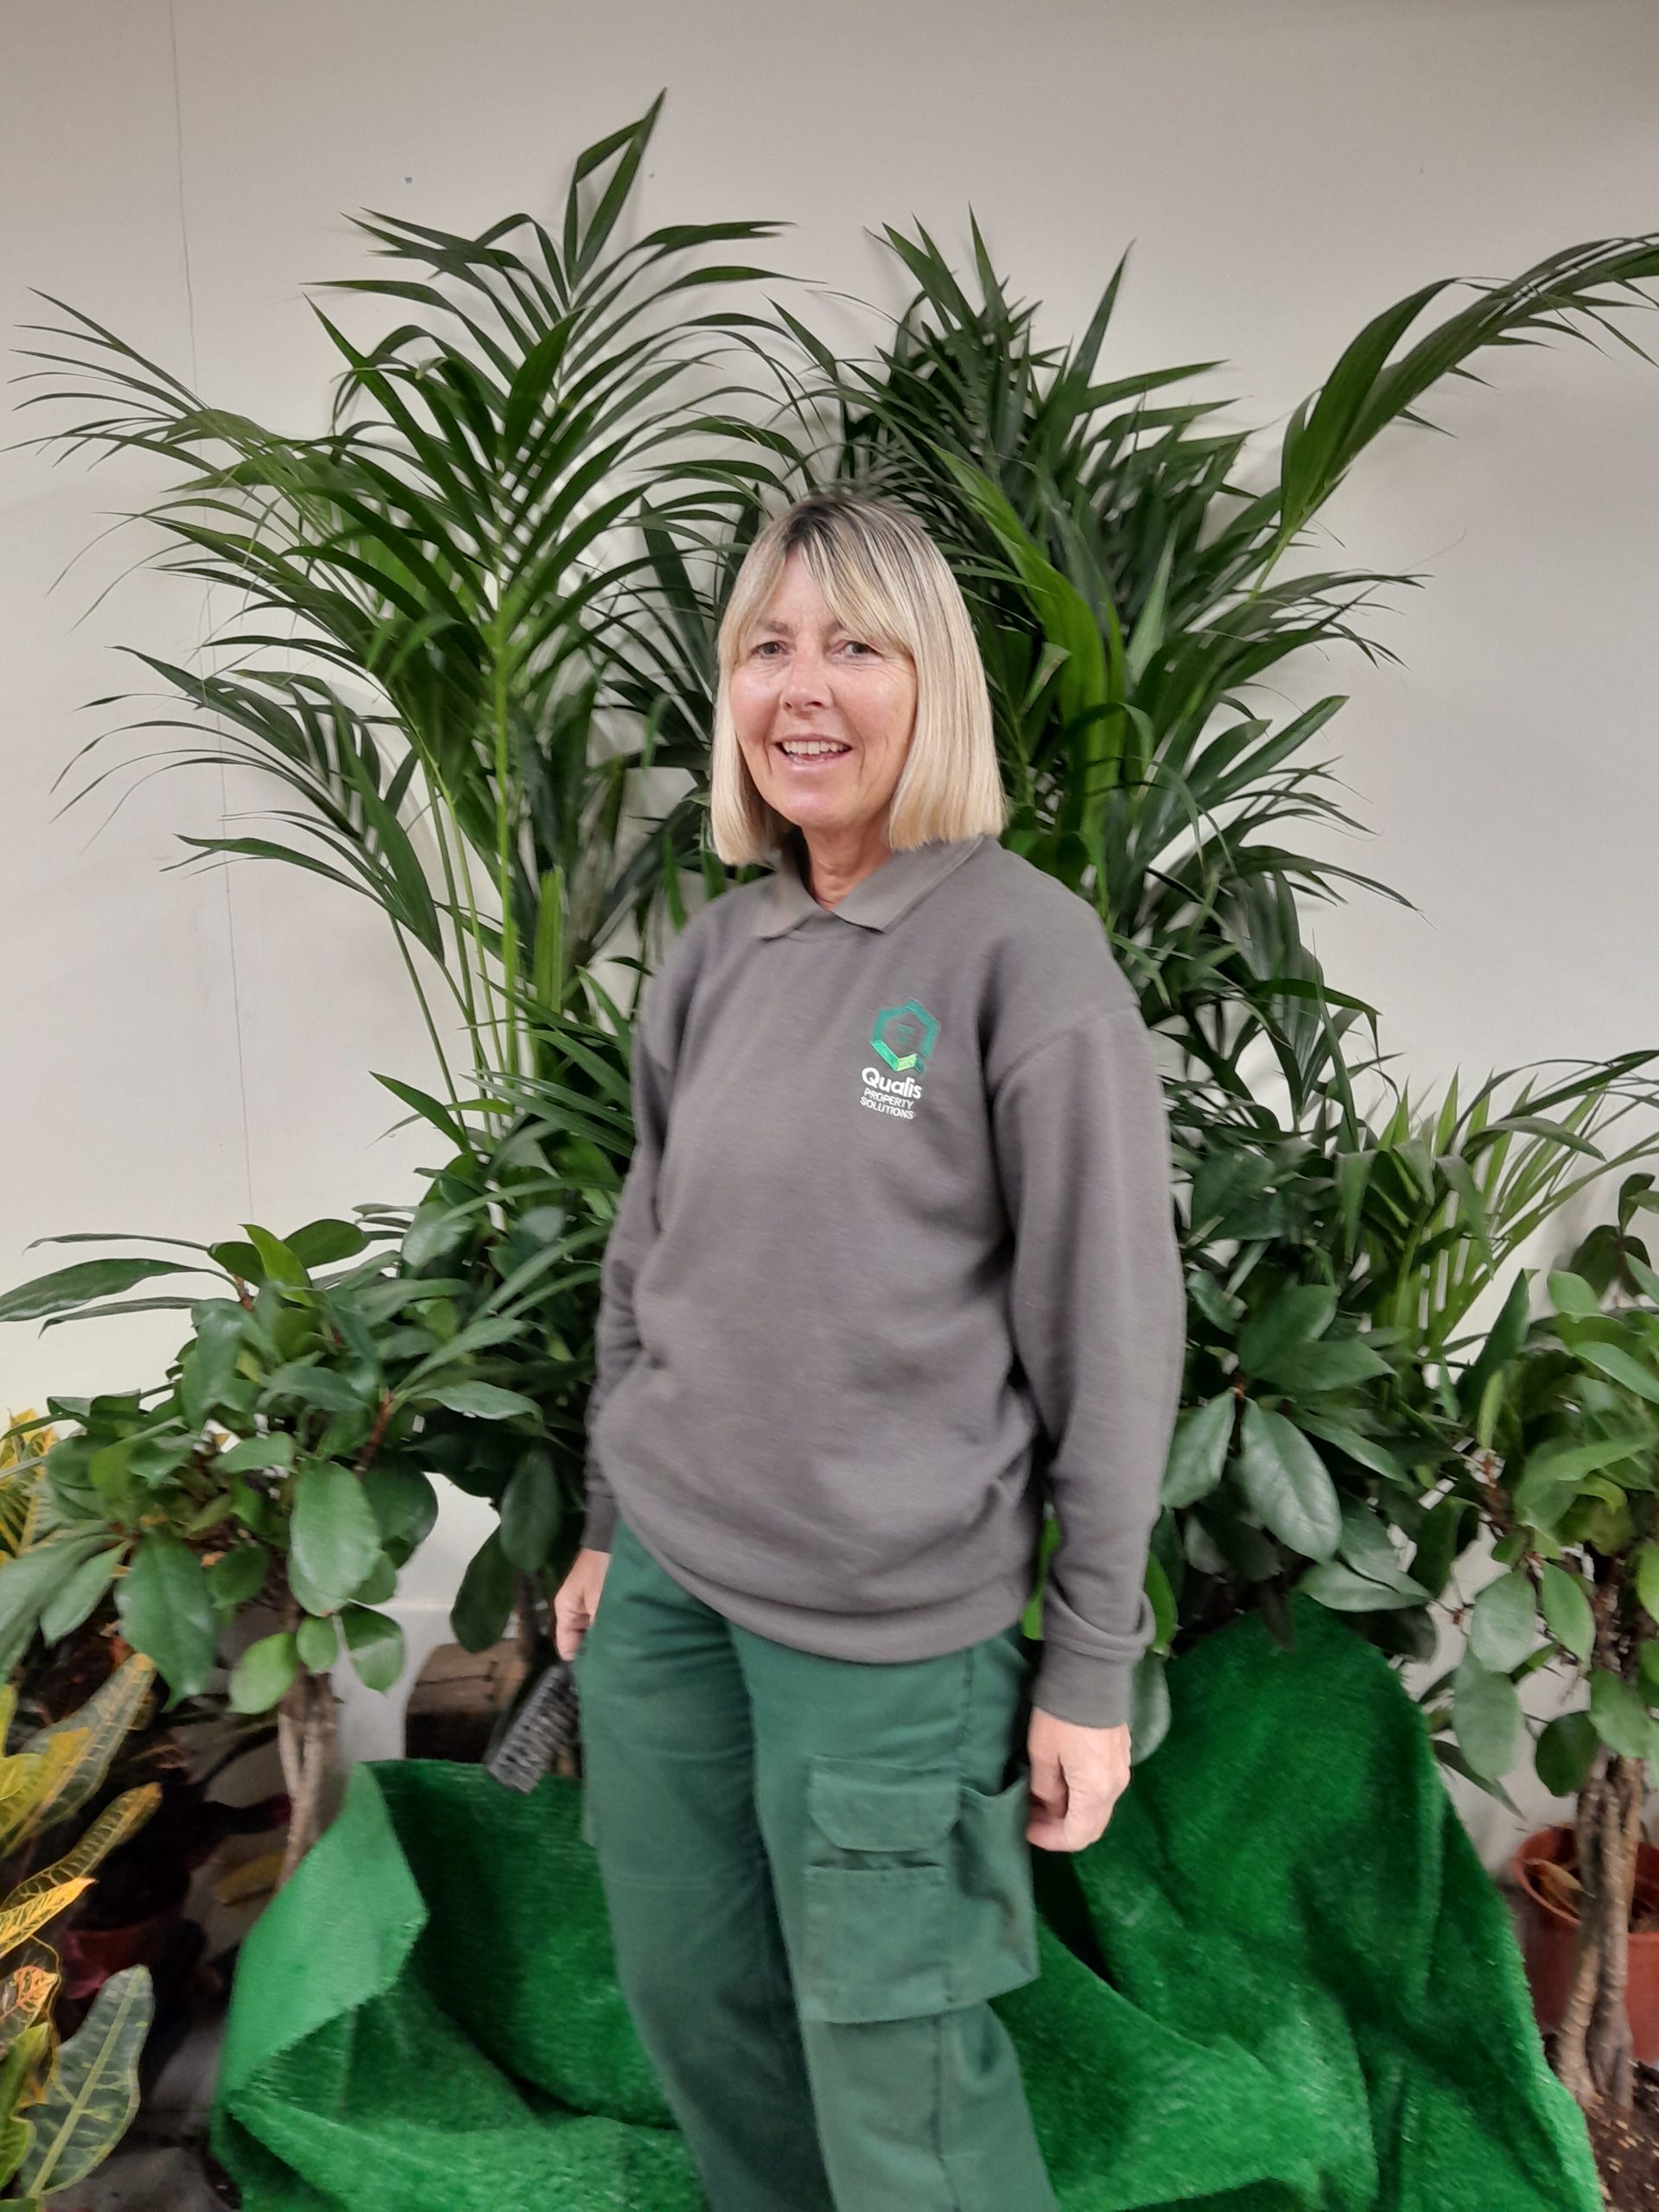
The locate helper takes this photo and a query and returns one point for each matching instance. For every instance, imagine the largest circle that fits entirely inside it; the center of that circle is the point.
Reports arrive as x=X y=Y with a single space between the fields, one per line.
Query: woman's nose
x=808 y=678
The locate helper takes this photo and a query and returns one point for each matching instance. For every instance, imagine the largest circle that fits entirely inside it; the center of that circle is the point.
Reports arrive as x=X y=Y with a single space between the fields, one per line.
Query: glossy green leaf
x=277 y=1261
x=1567 y=1750
x=1287 y=1483
x=334 y=1538
x=1503 y=1622
x=531 y=1511
x=1571 y=1294
x=166 y=1613
x=1566 y=1609
x=264 y=1673
x=485 y=1400
x=317 y=1641
x=68 y=1288
x=1197 y=1451
x=1621 y=1716
x=1487 y=1718
x=1345 y=1589
x=321 y=1242
x=238 y=1575
x=1647 y=1579
x=376 y=1643
x=78 y=1598
x=258 y=1454
x=483 y=1603
x=1293 y=1319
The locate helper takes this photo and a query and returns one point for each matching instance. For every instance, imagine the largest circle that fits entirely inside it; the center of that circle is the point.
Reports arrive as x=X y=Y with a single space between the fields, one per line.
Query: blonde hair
x=882 y=577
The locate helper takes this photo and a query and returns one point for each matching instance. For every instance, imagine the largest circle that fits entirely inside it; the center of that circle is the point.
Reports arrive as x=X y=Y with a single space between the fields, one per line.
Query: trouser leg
x=892 y=1799
x=668 y=1792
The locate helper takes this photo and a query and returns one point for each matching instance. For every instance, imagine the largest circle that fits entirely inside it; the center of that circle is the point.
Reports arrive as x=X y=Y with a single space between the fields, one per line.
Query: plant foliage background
x=469 y=616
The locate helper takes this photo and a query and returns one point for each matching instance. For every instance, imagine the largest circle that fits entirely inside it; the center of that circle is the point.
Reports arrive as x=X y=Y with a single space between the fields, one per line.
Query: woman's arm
x=1098 y=1311
x=616 y=1336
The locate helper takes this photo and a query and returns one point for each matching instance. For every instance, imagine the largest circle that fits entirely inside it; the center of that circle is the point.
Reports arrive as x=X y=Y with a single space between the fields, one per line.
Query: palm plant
x=1123 y=587
x=423 y=591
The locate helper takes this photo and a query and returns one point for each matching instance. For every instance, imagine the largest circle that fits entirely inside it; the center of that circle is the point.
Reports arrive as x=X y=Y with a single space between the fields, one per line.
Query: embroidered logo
x=903 y=1036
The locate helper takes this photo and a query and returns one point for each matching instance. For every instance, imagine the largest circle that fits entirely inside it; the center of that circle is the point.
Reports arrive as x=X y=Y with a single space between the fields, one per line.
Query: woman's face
x=802 y=677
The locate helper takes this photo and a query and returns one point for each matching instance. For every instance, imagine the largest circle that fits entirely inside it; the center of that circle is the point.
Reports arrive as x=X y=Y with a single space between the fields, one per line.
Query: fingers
x=1050 y=1799
x=576 y=1600
x=571 y=1620
x=1084 y=1822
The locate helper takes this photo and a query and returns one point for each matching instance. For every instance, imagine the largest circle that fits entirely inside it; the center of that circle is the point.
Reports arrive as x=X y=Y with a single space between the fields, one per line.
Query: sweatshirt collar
x=874 y=900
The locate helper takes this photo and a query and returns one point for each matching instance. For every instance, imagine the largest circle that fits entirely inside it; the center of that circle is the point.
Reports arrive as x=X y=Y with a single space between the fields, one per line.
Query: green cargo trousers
x=817 y=1873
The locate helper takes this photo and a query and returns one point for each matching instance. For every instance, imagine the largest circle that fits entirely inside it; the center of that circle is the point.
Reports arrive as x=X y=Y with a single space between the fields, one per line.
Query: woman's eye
x=859 y=644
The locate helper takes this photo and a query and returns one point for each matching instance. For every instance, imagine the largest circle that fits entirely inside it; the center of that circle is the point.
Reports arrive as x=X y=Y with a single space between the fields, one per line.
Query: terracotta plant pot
x=92 y=1954
x=1549 y=1939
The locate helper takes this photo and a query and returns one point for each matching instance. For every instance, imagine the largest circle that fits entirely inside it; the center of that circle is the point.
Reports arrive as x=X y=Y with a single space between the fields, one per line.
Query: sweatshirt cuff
x=599 y=1525
x=1082 y=1686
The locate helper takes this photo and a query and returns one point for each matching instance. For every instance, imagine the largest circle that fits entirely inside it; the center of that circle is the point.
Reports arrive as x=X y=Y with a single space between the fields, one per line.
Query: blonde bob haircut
x=883 y=578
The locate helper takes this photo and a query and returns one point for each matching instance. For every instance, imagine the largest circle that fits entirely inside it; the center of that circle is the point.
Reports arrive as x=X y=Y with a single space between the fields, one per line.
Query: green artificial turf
x=1281 y=1981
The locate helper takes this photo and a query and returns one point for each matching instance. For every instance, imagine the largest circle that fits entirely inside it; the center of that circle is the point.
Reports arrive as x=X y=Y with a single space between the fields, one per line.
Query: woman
x=895 y=1251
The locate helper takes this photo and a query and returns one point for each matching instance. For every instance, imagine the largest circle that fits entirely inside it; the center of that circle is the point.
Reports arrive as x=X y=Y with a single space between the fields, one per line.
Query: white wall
x=188 y=1050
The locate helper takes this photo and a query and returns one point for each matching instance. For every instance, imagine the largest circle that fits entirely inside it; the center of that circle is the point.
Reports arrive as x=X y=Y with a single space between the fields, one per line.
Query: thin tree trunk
x=1594 y=2053
x=305 y=1737
x=1571 y=2056
x=1612 y=2051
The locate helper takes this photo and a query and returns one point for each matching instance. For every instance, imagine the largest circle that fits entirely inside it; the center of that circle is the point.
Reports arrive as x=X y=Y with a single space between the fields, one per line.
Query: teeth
x=809 y=752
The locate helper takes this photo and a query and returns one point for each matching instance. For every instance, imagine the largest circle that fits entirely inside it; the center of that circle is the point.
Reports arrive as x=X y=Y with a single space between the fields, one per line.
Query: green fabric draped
x=1281 y=1981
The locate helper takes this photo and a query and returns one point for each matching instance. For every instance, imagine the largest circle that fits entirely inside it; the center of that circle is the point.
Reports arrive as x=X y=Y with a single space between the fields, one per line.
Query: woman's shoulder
x=1044 y=963
x=1043 y=938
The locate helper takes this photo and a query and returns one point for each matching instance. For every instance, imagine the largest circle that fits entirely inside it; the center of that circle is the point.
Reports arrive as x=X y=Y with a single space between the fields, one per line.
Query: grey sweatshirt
x=896 y=1247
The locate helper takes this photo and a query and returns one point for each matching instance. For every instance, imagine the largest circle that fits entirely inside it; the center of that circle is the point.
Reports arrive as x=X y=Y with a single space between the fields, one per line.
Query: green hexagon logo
x=904 y=1035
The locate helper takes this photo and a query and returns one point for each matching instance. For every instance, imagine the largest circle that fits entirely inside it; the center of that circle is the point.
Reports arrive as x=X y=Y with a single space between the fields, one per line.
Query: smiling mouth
x=823 y=751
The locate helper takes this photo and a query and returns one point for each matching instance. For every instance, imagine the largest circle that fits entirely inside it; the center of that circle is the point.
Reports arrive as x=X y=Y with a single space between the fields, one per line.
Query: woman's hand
x=1078 y=1775
x=576 y=1600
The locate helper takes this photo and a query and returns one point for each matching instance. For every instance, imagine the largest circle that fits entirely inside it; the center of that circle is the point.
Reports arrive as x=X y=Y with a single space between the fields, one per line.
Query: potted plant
x=129 y=1917
x=64 y=2103
x=1564 y=1419
x=278 y=1470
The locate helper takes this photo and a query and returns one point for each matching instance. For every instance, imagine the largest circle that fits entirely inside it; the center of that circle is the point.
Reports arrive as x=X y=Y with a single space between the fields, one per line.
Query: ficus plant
x=1563 y=1411
x=282 y=1464
x=1332 y=1264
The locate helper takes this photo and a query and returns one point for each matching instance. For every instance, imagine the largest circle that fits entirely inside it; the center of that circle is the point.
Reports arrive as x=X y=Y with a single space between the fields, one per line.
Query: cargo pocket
x=992 y=1910
x=877 y=1891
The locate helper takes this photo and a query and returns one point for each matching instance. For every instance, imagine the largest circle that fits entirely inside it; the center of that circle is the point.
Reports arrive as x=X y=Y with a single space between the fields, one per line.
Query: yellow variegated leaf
x=24 y=1996
x=119 y=1820
x=99 y=1724
x=35 y=1951
x=18 y=1921
x=35 y=1513
x=93 y=2092
x=7 y=1710
x=18 y=1773
x=31 y=1809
